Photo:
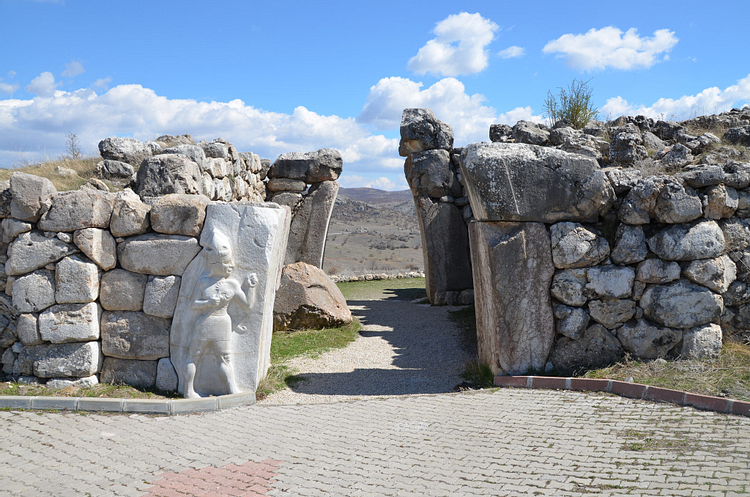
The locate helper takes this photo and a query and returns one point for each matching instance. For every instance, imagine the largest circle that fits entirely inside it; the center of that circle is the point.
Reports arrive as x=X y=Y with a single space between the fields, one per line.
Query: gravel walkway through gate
x=403 y=348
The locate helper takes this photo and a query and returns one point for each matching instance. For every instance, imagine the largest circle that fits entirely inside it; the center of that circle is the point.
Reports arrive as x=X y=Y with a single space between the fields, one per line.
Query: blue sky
x=274 y=77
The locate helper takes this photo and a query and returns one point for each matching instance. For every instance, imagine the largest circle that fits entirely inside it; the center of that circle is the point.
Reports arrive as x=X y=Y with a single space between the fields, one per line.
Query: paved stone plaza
x=503 y=442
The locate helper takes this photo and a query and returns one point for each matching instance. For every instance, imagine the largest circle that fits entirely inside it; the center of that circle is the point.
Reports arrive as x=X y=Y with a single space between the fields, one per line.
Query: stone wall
x=579 y=257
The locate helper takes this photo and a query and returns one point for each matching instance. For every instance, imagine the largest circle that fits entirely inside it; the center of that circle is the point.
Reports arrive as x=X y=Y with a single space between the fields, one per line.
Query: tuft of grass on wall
x=83 y=169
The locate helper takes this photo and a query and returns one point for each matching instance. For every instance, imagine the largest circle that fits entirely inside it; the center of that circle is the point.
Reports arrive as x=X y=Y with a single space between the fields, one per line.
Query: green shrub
x=572 y=104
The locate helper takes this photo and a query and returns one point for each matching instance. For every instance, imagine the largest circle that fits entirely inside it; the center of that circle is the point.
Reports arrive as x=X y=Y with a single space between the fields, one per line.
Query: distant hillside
x=375 y=197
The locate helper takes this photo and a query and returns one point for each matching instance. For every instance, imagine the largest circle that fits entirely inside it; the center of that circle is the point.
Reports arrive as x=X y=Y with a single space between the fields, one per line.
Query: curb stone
x=170 y=407
x=630 y=390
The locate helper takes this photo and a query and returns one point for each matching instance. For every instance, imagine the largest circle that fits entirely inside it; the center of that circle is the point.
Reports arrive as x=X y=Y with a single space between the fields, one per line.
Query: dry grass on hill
x=65 y=174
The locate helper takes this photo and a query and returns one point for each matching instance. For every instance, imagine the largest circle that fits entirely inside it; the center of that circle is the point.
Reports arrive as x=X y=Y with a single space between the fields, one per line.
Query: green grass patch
x=102 y=390
x=406 y=289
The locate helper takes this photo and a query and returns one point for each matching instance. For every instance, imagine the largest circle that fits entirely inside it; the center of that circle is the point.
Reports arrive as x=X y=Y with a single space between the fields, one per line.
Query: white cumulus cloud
x=512 y=52
x=381 y=183
x=73 y=69
x=709 y=101
x=459 y=46
x=467 y=114
x=8 y=88
x=610 y=47
x=43 y=85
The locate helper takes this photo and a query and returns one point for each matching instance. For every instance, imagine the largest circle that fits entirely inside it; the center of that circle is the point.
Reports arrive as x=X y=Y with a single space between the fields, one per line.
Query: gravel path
x=403 y=348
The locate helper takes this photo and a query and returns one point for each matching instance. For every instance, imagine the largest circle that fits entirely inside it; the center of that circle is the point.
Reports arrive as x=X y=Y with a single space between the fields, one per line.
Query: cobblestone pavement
x=503 y=442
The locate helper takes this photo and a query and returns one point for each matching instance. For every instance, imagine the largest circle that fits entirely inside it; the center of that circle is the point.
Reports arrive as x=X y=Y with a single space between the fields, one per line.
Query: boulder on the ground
x=311 y=167
x=701 y=342
x=31 y=196
x=177 y=214
x=70 y=323
x=421 y=130
x=137 y=374
x=60 y=383
x=168 y=173
x=596 y=348
x=647 y=341
x=134 y=335
x=520 y=182
x=307 y=298
x=681 y=305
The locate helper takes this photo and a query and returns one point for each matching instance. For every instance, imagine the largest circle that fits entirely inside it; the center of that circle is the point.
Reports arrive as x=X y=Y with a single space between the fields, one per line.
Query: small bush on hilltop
x=572 y=104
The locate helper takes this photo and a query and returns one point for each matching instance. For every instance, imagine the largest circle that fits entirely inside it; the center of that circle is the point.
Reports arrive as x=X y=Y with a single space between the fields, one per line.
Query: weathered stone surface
x=676 y=204
x=138 y=374
x=244 y=247
x=27 y=330
x=60 y=383
x=168 y=173
x=736 y=234
x=70 y=323
x=573 y=246
x=11 y=228
x=429 y=173
x=702 y=175
x=65 y=360
x=130 y=216
x=309 y=228
x=630 y=245
x=311 y=167
x=134 y=335
x=597 y=347
x=177 y=214
x=96 y=184
x=192 y=152
x=98 y=245
x=657 y=271
x=688 y=242
x=647 y=341
x=626 y=145
x=675 y=157
x=308 y=299
x=113 y=170
x=739 y=135
x=681 y=305
x=127 y=150
x=736 y=175
x=610 y=282
x=166 y=377
x=720 y=202
x=161 y=295
x=530 y=132
x=33 y=250
x=640 y=202
x=518 y=182
x=738 y=293
x=701 y=342
x=743 y=204
x=215 y=149
x=122 y=290
x=445 y=247
x=31 y=196
x=611 y=313
x=568 y=286
x=78 y=209
x=500 y=133
x=570 y=321
x=290 y=199
x=5 y=199
x=159 y=255
x=716 y=274
x=76 y=281
x=286 y=185
x=421 y=130
x=622 y=179
x=512 y=264
x=34 y=292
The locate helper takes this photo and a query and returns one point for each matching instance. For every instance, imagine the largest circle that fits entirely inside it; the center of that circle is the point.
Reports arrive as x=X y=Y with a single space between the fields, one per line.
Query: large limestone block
x=701 y=342
x=168 y=173
x=716 y=274
x=66 y=360
x=421 y=130
x=681 y=305
x=137 y=374
x=176 y=214
x=98 y=245
x=638 y=205
x=429 y=173
x=122 y=290
x=647 y=341
x=612 y=312
x=76 y=281
x=519 y=182
x=33 y=250
x=161 y=295
x=128 y=150
x=677 y=204
x=630 y=245
x=571 y=321
x=596 y=348
x=225 y=307
x=70 y=323
x=34 y=292
x=11 y=228
x=720 y=201
x=78 y=209
x=159 y=255
x=657 y=271
x=610 y=282
x=512 y=265
x=688 y=242
x=445 y=247
x=134 y=335
x=31 y=196
x=307 y=298
x=27 y=329
x=573 y=246
x=309 y=228
x=114 y=170
x=130 y=216
x=568 y=286
x=311 y=167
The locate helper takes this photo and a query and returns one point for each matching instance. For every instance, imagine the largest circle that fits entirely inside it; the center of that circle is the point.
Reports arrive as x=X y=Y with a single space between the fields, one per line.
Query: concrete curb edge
x=630 y=390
